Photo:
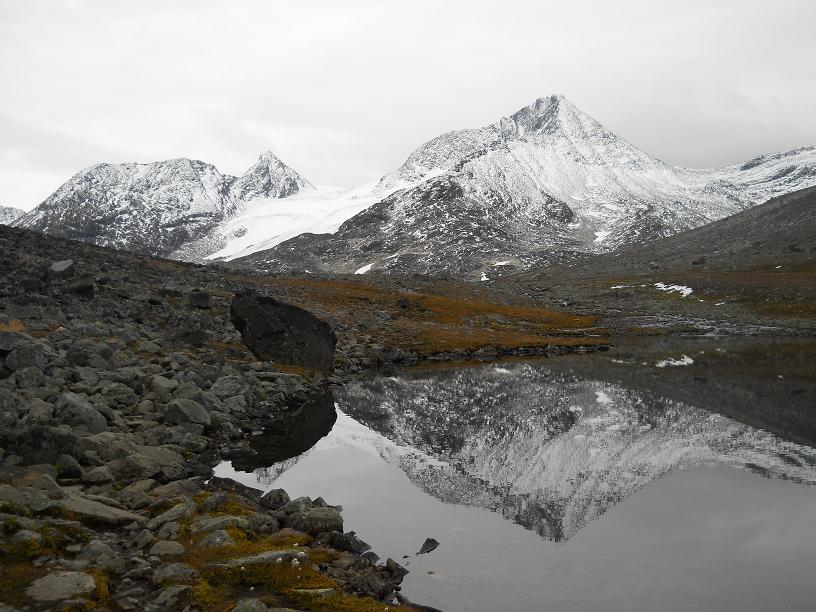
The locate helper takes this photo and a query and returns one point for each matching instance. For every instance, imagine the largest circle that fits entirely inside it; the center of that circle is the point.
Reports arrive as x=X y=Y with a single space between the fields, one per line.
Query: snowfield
x=267 y=222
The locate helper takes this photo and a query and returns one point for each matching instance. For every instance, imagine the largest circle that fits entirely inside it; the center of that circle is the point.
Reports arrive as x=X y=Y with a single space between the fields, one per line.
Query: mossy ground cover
x=218 y=589
x=441 y=318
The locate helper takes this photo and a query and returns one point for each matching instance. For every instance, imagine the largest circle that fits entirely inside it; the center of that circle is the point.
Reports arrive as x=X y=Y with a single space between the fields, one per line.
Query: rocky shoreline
x=123 y=381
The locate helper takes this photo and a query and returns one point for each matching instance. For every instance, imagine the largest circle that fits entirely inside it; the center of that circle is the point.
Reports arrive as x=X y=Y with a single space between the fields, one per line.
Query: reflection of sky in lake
x=552 y=453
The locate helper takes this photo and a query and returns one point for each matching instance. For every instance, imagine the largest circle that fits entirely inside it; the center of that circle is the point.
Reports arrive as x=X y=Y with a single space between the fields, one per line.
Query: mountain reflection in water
x=549 y=450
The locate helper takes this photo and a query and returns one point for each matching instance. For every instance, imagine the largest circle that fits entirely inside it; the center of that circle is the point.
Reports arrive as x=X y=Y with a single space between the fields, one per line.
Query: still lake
x=570 y=483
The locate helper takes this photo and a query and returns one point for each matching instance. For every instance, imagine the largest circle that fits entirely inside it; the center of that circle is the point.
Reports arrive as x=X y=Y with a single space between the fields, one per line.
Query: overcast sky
x=344 y=90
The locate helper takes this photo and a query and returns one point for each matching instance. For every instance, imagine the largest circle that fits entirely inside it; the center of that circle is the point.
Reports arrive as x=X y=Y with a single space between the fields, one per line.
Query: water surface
x=551 y=489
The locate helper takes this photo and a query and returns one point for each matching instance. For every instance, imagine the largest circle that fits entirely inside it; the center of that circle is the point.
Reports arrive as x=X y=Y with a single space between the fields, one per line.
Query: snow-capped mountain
x=9 y=214
x=537 y=187
x=155 y=208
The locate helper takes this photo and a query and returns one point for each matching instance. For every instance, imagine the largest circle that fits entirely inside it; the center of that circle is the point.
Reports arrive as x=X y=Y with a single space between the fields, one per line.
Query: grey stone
x=26 y=356
x=280 y=332
x=218 y=522
x=68 y=467
x=199 y=298
x=46 y=484
x=119 y=393
x=144 y=538
x=163 y=388
x=186 y=411
x=299 y=504
x=264 y=558
x=348 y=542
x=98 y=475
x=228 y=386
x=63 y=268
x=39 y=412
x=29 y=378
x=215 y=539
x=274 y=499
x=87 y=353
x=427 y=546
x=263 y=523
x=169 y=596
x=25 y=497
x=167 y=548
x=169 y=531
x=103 y=556
x=316 y=520
x=177 y=512
x=59 y=586
x=316 y=593
x=250 y=605
x=26 y=536
x=149 y=347
x=174 y=572
x=96 y=512
x=396 y=570
x=78 y=412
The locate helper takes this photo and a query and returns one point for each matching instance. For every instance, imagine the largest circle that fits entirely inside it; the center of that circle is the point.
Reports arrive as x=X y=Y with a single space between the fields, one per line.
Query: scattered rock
x=316 y=520
x=181 y=411
x=274 y=499
x=95 y=512
x=218 y=522
x=429 y=545
x=174 y=572
x=65 y=268
x=167 y=548
x=78 y=412
x=215 y=539
x=264 y=558
x=250 y=605
x=279 y=332
x=200 y=299
x=348 y=542
x=177 y=512
x=59 y=586
x=169 y=596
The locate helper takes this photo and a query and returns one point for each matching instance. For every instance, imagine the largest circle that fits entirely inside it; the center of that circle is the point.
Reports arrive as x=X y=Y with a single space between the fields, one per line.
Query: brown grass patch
x=14 y=325
x=448 y=318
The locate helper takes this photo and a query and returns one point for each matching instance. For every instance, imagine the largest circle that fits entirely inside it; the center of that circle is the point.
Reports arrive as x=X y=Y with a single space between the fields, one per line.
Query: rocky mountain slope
x=9 y=214
x=528 y=190
x=753 y=269
x=156 y=208
x=780 y=231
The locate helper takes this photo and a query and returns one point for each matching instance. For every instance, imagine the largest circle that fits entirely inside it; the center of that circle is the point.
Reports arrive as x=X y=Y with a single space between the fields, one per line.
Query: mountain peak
x=269 y=177
x=269 y=157
x=549 y=115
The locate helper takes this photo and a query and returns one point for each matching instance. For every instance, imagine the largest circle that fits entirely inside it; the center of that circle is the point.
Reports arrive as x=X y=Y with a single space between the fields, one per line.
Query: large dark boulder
x=280 y=332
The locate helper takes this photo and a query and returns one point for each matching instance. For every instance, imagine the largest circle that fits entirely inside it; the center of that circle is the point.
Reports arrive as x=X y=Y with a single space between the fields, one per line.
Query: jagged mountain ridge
x=154 y=208
x=535 y=188
x=9 y=214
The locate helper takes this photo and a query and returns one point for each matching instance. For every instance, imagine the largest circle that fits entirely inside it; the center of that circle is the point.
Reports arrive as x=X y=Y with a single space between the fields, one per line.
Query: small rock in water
x=429 y=545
